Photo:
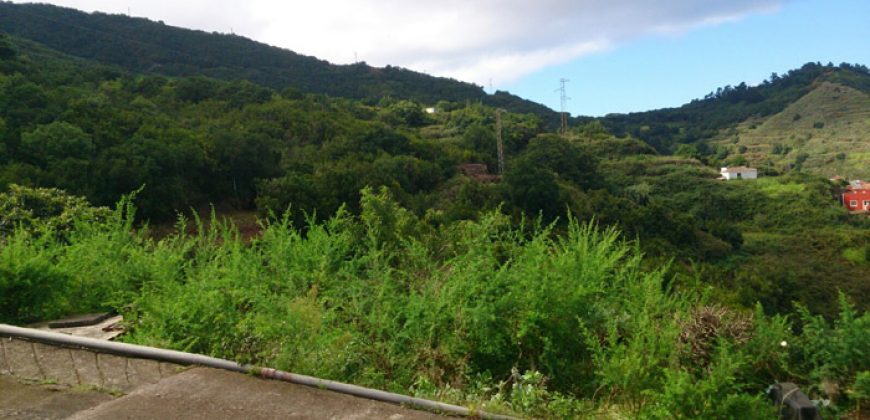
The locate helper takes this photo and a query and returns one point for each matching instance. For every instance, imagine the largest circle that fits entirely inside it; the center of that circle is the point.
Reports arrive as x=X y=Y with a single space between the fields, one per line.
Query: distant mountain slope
x=827 y=132
x=703 y=119
x=145 y=46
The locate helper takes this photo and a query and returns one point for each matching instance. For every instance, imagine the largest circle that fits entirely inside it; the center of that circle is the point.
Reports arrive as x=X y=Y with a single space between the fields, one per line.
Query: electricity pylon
x=498 y=140
x=563 y=97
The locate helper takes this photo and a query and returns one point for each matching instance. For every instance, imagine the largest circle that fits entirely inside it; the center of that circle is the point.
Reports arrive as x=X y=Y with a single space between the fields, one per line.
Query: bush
x=45 y=210
x=832 y=355
x=32 y=287
x=860 y=391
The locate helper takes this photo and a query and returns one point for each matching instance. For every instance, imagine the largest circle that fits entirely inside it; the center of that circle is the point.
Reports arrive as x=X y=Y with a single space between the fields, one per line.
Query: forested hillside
x=143 y=46
x=596 y=276
x=147 y=47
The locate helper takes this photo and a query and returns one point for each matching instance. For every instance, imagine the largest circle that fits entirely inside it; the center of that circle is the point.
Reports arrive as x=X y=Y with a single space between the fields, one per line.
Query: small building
x=856 y=197
x=430 y=110
x=739 y=172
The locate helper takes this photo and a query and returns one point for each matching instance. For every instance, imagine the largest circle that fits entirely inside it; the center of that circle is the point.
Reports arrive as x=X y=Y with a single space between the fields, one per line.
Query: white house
x=739 y=172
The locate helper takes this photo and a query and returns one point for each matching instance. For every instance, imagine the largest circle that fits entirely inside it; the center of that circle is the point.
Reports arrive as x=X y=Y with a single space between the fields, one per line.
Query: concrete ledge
x=35 y=361
x=80 y=321
x=204 y=393
x=112 y=365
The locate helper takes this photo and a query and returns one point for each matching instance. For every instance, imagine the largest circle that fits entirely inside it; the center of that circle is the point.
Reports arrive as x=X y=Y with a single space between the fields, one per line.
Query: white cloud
x=472 y=40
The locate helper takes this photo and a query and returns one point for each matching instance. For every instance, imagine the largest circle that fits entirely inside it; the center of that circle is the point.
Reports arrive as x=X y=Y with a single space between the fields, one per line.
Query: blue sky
x=668 y=70
x=620 y=55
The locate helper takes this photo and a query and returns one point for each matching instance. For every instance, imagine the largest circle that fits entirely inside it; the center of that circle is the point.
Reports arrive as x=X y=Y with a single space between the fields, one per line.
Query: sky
x=618 y=55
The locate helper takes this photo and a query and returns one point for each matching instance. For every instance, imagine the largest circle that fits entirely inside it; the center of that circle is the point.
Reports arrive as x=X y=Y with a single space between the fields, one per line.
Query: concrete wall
x=43 y=363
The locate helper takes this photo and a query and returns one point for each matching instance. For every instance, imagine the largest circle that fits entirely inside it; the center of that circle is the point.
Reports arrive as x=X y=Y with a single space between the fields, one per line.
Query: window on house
x=866 y=203
x=853 y=203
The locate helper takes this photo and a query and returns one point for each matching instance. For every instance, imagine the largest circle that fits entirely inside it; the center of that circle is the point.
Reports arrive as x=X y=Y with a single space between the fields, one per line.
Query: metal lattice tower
x=563 y=97
x=499 y=142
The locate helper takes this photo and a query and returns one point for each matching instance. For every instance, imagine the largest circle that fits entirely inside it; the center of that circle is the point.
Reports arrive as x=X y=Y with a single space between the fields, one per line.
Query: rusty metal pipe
x=182 y=358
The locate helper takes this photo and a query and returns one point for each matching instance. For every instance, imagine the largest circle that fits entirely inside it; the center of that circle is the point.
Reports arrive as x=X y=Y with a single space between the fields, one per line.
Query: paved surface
x=39 y=381
x=19 y=400
x=203 y=393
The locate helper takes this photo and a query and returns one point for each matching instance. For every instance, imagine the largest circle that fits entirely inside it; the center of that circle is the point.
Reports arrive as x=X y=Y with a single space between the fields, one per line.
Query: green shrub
x=32 y=287
x=45 y=210
x=860 y=391
x=831 y=355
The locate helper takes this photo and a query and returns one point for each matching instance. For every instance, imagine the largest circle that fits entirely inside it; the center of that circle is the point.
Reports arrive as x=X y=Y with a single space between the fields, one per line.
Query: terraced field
x=826 y=132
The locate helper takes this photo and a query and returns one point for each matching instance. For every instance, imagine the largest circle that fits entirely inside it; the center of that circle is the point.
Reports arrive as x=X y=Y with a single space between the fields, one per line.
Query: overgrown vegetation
x=509 y=318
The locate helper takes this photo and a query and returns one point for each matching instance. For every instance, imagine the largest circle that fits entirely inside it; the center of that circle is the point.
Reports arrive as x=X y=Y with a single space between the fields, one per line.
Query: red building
x=857 y=196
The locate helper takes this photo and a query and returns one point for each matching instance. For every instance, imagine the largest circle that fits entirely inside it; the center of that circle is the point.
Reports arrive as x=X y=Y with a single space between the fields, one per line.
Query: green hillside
x=704 y=119
x=144 y=46
x=825 y=132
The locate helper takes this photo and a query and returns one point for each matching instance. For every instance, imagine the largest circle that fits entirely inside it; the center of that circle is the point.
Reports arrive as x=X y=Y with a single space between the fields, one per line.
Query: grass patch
x=855 y=255
x=773 y=187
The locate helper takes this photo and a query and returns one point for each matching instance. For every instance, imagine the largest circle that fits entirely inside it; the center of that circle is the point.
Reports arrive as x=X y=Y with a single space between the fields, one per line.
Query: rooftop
x=736 y=169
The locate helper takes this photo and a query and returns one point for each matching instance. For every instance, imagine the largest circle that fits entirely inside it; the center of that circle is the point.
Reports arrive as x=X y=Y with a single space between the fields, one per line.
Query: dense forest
x=596 y=275
x=145 y=46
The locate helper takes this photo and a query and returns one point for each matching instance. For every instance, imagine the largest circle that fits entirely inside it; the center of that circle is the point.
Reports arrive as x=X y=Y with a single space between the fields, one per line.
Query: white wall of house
x=739 y=173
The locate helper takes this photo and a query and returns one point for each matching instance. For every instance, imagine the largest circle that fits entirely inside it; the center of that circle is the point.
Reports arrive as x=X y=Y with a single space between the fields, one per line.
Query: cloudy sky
x=620 y=55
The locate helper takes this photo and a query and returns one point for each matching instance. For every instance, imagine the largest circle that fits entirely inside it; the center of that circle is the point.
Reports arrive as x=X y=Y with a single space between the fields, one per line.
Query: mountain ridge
x=701 y=120
x=142 y=46
x=145 y=46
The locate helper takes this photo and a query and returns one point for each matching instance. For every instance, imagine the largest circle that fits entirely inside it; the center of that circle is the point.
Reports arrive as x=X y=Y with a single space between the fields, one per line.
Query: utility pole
x=498 y=140
x=563 y=97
